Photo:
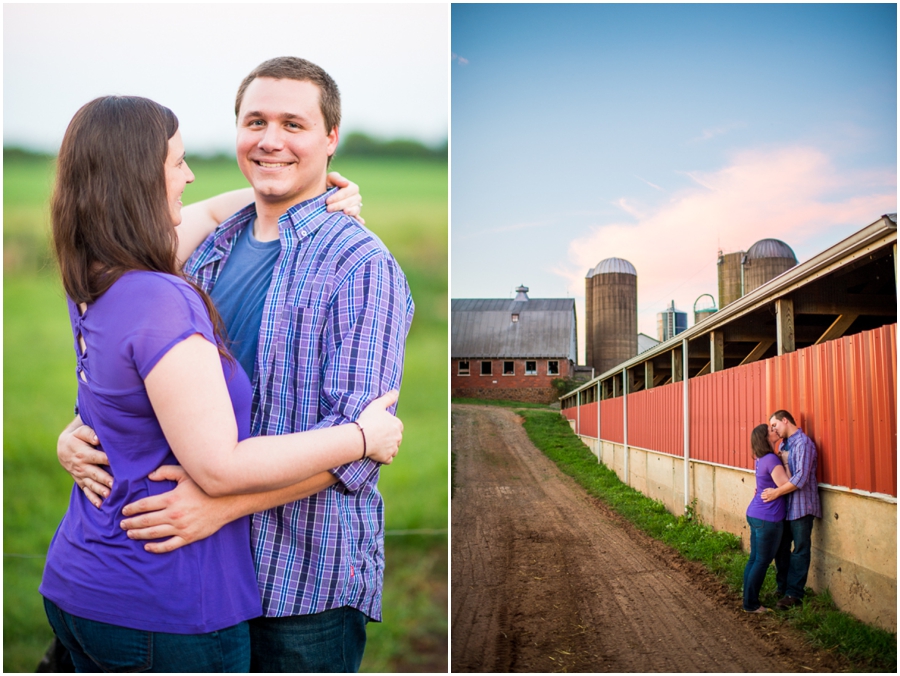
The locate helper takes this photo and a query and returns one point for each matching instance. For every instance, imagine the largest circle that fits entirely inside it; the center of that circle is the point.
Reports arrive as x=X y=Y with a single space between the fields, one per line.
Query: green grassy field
x=406 y=205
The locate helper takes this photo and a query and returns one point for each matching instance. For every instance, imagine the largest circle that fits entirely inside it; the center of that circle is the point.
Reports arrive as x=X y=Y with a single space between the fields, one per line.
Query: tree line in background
x=354 y=144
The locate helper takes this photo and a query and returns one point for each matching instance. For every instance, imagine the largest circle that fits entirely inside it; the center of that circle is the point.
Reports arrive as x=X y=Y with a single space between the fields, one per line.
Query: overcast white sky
x=390 y=62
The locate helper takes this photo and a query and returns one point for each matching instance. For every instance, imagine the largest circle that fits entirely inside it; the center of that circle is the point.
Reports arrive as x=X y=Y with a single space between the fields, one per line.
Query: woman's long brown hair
x=109 y=210
x=759 y=441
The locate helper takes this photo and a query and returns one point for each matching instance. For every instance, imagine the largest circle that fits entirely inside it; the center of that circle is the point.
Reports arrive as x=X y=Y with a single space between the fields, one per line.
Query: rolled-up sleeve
x=365 y=337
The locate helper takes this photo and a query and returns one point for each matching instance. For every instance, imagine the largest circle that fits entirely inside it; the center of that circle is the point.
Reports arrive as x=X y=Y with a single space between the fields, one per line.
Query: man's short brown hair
x=295 y=68
x=781 y=414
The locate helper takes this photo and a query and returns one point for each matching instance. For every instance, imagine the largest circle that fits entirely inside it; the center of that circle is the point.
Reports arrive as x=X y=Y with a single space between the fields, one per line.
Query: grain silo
x=670 y=323
x=765 y=260
x=611 y=314
x=705 y=309
x=731 y=277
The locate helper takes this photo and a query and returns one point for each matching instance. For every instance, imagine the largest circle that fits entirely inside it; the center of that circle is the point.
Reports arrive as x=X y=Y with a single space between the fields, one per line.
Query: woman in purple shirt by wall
x=766 y=519
x=158 y=387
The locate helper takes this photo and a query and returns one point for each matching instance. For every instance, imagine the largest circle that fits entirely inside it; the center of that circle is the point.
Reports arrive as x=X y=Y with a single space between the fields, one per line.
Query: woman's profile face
x=773 y=438
x=178 y=175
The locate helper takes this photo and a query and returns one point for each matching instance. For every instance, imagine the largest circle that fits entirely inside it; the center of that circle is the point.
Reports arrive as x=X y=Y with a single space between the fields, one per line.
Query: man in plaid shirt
x=317 y=312
x=802 y=491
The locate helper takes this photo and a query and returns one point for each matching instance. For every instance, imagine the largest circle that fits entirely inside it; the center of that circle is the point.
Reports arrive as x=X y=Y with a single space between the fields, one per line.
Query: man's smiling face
x=282 y=144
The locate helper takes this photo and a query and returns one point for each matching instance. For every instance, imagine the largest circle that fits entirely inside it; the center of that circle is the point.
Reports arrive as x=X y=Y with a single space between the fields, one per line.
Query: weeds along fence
x=843 y=393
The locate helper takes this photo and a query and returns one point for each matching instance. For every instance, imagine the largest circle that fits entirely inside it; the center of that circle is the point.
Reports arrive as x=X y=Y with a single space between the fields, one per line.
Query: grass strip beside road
x=506 y=403
x=867 y=647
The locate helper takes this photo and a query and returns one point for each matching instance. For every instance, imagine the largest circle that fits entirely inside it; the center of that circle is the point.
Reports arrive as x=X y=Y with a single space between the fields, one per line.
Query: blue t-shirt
x=240 y=294
x=767 y=511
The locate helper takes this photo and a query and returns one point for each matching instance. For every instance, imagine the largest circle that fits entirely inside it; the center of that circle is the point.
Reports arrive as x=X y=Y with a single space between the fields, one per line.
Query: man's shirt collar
x=303 y=218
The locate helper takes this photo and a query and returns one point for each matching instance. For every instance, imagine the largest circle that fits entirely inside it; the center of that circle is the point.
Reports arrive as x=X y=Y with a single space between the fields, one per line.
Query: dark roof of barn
x=483 y=328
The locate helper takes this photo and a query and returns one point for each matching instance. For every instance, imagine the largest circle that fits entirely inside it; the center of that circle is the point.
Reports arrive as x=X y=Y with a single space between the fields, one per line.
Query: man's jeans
x=792 y=568
x=765 y=539
x=97 y=646
x=330 y=641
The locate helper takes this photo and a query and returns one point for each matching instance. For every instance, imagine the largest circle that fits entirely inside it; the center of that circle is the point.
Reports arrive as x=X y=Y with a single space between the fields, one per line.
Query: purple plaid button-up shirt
x=331 y=340
x=802 y=460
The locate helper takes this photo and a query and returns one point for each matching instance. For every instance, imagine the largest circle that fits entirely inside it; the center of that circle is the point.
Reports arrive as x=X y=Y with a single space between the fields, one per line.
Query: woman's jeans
x=765 y=538
x=97 y=646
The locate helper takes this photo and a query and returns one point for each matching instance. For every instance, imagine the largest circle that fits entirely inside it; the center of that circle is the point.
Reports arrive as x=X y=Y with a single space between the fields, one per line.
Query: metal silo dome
x=771 y=248
x=618 y=265
x=765 y=260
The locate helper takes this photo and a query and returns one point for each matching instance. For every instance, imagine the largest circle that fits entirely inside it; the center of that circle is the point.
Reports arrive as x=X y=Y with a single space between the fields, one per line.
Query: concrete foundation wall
x=854 y=544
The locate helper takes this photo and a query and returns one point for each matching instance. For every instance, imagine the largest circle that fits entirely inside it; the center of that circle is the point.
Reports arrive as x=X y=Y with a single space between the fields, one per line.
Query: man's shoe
x=788 y=602
x=759 y=611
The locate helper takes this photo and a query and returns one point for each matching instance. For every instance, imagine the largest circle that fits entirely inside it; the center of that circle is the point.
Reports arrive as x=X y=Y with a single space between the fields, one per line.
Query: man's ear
x=333 y=138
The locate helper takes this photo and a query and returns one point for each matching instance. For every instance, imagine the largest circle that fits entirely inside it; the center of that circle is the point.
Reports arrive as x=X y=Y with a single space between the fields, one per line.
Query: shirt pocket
x=298 y=346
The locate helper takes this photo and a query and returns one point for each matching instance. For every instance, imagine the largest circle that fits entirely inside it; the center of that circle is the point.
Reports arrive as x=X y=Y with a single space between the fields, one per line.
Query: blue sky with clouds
x=659 y=134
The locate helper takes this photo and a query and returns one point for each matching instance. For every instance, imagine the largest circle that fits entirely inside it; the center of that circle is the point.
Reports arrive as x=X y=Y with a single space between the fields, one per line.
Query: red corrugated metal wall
x=724 y=408
x=571 y=414
x=589 y=420
x=611 y=423
x=843 y=394
x=655 y=419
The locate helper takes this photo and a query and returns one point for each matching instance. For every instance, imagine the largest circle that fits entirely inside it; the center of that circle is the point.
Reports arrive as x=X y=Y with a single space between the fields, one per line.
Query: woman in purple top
x=765 y=518
x=158 y=387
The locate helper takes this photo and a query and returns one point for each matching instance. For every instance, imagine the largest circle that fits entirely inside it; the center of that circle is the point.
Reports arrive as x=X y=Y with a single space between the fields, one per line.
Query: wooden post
x=677 y=365
x=784 y=323
x=648 y=374
x=716 y=351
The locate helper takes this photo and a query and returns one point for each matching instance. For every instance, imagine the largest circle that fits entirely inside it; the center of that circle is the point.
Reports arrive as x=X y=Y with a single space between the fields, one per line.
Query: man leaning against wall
x=803 y=506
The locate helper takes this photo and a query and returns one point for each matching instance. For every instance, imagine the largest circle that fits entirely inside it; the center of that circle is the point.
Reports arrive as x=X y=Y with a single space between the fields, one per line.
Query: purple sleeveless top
x=93 y=570
x=767 y=511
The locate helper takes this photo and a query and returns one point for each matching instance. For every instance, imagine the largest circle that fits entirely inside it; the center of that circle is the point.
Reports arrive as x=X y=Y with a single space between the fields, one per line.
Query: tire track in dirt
x=545 y=578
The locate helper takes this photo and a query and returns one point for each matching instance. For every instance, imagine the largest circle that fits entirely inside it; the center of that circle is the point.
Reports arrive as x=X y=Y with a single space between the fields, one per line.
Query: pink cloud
x=787 y=193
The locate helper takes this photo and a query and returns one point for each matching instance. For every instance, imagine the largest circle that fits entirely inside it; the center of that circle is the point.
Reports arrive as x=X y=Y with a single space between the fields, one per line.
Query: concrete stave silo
x=742 y=272
x=765 y=260
x=611 y=314
x=731 y=281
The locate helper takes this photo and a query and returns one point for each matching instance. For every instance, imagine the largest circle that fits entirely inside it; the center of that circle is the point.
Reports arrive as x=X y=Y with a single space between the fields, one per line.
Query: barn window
x=486 y=368
x=552 y=368
x=509 y=368
x=530 y=368
x=463 y=367
x=515 y=318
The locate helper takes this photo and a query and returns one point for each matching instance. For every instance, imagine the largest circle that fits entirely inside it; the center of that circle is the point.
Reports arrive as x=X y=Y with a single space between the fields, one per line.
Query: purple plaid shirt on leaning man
x=802 y=460
x=332 y=339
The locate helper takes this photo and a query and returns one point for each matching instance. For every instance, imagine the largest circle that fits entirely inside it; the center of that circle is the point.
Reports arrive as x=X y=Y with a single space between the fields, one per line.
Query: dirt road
x=545 y=578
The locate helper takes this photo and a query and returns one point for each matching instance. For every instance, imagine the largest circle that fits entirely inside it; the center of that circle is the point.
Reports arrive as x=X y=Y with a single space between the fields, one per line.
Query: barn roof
x=484 y=328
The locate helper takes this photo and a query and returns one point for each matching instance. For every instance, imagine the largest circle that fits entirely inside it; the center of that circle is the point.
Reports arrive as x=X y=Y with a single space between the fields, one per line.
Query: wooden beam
x=661 y=379
x=837 y=329
x=704 y=370
x=648 y=374
x=845 y=303
x=716 y=351
x=784 y=325
x=757 y=352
